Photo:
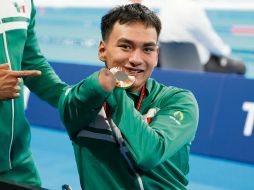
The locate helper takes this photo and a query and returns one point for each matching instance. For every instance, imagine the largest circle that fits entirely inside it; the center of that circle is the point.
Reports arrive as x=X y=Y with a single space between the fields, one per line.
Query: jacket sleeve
x=48 y=86
x=80 y=104
x=152 y=144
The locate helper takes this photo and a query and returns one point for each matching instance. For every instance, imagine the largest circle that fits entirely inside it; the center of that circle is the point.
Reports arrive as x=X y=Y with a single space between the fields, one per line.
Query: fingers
x=26 y=73
x=16 y=91
x=107 y=80
x=10 y=81
x=10 y=91
x=5 y=66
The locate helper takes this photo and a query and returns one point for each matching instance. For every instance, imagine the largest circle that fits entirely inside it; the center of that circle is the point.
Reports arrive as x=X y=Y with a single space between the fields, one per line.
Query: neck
x=135 y=88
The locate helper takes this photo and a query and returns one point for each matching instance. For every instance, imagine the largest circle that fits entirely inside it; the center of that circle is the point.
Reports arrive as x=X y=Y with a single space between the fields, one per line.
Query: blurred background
x=221 y=157
x=74 y=27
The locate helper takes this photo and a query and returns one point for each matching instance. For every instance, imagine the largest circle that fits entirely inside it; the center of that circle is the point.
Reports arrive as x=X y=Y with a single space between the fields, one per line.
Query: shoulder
x=161 y=88
x=170 y=94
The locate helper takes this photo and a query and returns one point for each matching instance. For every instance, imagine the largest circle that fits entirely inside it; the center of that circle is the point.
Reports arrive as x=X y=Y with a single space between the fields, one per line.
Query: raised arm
x=80 y=104
x=152 y=144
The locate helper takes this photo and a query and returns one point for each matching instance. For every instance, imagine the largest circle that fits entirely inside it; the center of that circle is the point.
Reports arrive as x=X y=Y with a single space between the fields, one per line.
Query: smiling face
x=132 y=46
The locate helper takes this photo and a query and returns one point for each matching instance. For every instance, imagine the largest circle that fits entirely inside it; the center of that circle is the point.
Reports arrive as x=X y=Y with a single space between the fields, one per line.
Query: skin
x=133 y=47
x=10 y=81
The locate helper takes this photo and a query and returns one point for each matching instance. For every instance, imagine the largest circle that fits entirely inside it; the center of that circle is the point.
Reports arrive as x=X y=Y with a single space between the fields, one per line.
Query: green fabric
x=13 y=19
x=24 y=173
x=76 y=114
x=159 y=151
x=24 y=54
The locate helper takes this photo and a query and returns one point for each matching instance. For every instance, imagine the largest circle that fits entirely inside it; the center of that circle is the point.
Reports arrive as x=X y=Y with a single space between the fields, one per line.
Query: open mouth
x=133 y=71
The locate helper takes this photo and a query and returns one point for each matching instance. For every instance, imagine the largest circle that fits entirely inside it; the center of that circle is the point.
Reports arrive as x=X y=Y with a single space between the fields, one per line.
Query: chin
x=133 y=88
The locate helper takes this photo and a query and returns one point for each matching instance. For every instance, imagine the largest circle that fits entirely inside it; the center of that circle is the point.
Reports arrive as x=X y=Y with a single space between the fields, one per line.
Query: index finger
x=26 y=73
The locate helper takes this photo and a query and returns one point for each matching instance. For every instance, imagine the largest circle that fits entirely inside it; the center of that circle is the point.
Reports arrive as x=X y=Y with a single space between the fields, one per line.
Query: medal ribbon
x=138 y=106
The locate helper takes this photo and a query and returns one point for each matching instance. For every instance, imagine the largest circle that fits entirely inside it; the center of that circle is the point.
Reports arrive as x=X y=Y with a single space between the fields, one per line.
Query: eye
x=125 y=46
x=149 y=49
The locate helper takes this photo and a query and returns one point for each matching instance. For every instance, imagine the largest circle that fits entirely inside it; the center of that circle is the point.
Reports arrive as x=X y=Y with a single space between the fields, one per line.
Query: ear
x=157 y=52
x=102 y=51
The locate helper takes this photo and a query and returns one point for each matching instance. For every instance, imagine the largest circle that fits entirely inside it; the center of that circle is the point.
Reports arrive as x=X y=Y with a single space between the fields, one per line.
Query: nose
x=136 y=57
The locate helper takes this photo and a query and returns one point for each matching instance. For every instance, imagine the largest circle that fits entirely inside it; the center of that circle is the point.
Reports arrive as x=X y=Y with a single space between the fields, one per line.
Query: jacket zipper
x=12 y=100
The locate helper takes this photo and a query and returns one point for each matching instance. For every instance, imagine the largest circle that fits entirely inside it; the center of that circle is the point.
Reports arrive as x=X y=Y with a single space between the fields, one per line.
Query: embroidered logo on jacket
x=150 y=114
x=177 y=117
x=20 y=8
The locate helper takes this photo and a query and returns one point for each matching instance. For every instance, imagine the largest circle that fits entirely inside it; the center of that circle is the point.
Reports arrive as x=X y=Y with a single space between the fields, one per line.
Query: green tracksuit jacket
x=146 y=149
x=19 y=48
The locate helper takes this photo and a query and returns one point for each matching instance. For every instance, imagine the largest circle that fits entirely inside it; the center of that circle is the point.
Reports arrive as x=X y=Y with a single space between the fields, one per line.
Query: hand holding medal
x=115 y=77
x=123 y=79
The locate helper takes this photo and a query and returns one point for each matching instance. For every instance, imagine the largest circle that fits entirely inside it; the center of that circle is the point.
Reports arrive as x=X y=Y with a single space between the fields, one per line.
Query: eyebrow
x=131 y=42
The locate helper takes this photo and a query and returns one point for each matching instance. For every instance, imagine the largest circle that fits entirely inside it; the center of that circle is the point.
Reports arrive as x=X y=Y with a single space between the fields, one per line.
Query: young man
x=20 y=56
x=135 y=138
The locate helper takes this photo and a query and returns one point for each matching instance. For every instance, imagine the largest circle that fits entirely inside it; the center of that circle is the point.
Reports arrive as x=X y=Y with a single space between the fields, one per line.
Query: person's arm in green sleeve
x=47 y=86
x=152 y=144
x=80 y=104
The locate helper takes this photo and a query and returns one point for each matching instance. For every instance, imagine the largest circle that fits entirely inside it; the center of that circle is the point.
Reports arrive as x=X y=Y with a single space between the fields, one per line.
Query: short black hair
x=127 y=14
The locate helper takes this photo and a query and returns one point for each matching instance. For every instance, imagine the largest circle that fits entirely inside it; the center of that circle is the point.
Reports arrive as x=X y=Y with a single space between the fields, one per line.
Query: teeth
x=137 y=70
x=123 y=80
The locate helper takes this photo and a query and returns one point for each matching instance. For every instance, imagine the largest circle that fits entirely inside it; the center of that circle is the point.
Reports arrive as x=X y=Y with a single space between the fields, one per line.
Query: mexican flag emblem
x=19 y=8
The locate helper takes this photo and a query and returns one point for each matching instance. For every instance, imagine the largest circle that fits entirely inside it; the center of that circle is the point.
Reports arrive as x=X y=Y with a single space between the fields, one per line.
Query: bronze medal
x=123 y=80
